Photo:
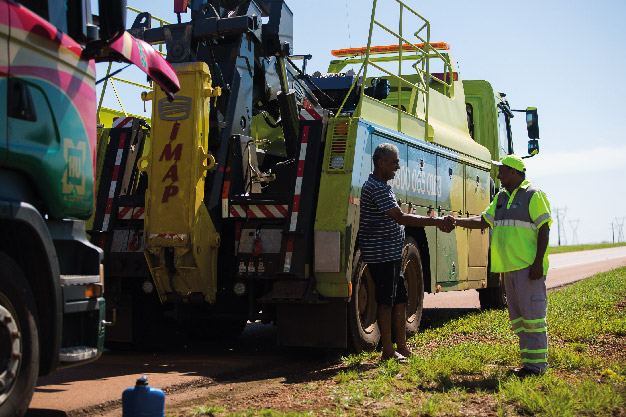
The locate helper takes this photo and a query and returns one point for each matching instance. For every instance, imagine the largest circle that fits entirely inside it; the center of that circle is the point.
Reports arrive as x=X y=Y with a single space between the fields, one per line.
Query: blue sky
x=566 y=58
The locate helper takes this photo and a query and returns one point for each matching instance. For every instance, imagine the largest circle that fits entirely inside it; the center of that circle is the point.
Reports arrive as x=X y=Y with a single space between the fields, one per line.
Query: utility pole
x=560 y=216
x=620 y=229
x=574 y=225
x=613 y=231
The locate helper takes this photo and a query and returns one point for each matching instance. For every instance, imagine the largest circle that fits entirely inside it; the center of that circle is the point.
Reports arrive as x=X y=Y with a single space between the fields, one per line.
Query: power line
x=574 y=225
x=560 y=217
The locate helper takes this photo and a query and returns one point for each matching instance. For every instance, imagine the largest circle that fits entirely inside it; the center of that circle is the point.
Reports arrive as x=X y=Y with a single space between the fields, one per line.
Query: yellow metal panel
x=476 y=190
x=334 y=211
x=383 y=114
x=478 y=247
x=477 y=199
x=478 y=275
x=181 y=240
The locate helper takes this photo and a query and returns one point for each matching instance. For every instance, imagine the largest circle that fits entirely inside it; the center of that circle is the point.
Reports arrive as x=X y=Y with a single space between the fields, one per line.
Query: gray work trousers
x=528 y=303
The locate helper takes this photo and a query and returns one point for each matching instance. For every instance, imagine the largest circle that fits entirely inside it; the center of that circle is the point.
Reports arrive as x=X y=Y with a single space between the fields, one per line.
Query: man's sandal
x=397 y=357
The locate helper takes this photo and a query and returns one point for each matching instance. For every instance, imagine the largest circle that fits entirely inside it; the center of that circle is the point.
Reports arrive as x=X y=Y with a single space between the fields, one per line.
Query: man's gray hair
x=382 y=151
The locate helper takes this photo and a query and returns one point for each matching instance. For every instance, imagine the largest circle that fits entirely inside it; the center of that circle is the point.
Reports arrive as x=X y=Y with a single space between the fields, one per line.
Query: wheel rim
x=411 y=279
x=10 y=347
x=366 y=301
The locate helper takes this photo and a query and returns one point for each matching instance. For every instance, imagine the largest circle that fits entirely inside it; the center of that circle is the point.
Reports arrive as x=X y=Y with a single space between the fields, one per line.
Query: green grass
x=586 y=310
x=577 y=248
x=463 y=362
x=553 y=396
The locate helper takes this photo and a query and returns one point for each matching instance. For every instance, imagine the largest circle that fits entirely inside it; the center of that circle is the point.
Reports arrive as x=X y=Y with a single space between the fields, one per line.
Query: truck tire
x=364 y=331
x=493 y=298
x=414 y=281
x=19 y=341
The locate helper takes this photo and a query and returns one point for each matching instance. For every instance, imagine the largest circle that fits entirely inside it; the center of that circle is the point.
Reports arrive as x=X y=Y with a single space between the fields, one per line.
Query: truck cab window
x=503 y=133
x=470 y=119
x=51 y=10
x=37 y=6
x=54 y=11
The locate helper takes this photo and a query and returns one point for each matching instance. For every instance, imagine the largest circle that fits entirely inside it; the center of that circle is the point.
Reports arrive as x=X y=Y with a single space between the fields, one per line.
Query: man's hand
x=450 y=218
x=536 y=270
x=446 y=224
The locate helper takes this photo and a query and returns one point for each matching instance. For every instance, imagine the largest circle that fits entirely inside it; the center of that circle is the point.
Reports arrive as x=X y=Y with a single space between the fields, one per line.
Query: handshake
x=445 y=224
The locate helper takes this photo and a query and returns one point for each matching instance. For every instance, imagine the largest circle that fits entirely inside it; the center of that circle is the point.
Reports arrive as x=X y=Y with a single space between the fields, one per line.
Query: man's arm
x=419 y=221
x=536 y=269
x=476 y=222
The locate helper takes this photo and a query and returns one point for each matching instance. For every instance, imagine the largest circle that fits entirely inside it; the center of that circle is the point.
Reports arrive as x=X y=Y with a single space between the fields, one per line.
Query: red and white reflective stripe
x=265 y=211
x=288 y=253
x=130 y=213
x=296 y=198
x=225 y=192
x=116 y=171
x=122 y=122
x=180 y=236
x=298 y=189
x=311 y=114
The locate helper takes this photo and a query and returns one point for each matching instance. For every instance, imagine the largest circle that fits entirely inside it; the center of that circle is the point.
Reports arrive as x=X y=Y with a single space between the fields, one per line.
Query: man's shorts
x=389 y=282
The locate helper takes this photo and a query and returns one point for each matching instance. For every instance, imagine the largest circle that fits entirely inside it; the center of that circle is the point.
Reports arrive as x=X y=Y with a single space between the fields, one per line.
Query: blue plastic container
x=142 y=400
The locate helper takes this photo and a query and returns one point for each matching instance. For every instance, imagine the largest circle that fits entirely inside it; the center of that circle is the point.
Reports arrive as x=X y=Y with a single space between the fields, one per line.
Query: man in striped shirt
x=381 y=239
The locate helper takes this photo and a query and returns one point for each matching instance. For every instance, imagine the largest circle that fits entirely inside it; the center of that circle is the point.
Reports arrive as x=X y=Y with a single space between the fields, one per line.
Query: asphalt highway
x=565 y=268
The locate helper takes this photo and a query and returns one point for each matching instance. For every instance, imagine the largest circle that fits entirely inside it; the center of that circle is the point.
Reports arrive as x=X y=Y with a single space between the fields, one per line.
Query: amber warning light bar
x=388 y=49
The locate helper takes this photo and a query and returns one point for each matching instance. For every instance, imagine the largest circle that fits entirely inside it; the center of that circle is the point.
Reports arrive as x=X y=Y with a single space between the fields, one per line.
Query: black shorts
x=389 y=282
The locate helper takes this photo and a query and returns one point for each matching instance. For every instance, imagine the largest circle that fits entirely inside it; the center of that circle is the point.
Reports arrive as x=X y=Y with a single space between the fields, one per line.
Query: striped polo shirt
x=380 y=237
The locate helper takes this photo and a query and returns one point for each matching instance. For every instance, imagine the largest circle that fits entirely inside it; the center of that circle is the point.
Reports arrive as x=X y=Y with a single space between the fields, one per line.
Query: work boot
x=526 y=372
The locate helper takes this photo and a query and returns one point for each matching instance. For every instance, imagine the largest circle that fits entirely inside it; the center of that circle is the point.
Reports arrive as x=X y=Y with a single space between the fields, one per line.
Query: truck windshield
x=504 y=134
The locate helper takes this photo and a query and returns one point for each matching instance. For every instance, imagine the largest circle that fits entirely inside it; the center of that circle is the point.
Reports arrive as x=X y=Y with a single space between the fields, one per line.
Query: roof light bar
x=388 y=49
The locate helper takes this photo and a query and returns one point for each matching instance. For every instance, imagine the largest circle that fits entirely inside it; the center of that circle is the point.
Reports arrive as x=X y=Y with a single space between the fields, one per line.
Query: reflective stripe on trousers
x=527 y=301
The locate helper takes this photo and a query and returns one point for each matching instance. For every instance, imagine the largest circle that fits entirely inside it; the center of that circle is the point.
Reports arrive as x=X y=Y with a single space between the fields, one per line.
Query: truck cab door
x=4 y=73
x=447 y=185
x=50 y=121
x=477 y=189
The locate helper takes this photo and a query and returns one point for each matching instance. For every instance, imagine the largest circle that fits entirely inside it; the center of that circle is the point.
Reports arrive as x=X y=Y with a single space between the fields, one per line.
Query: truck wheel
x=414 y=281
x=362 y=307
x=19 y=341
x=493 y=298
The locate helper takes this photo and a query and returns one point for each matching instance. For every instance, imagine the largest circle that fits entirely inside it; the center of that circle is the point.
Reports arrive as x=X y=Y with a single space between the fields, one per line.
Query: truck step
x=77 y=353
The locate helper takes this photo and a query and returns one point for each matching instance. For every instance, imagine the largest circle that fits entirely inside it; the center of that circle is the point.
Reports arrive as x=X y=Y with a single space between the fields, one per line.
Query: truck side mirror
x=533 y=147
x=532 y=122
x=112 y=19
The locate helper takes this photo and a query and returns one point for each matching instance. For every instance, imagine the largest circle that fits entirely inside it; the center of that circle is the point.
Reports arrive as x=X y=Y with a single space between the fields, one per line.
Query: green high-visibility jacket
x=516 y=219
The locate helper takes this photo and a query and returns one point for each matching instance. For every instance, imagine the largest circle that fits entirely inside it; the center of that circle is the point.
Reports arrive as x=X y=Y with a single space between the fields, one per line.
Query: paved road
x=96 y=388
x=565 y=268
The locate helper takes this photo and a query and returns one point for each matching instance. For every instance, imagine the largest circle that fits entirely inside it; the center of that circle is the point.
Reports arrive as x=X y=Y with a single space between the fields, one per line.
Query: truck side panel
x=432 y=180
x=52 y=127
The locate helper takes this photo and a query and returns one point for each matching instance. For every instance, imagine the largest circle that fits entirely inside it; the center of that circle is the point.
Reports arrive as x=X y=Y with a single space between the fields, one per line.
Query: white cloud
x=578 y=162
